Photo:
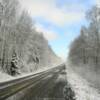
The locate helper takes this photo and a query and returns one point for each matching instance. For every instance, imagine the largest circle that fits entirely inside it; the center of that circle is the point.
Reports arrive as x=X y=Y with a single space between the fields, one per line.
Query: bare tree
x=87 y=45
x=20 y=44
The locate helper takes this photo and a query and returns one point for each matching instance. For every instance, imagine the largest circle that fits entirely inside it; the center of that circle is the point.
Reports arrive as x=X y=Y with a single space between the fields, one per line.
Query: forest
x=22 y=48
x=84 y=53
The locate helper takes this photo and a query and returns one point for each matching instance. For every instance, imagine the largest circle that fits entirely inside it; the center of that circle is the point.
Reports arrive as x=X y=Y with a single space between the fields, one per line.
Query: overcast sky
x=59 y=20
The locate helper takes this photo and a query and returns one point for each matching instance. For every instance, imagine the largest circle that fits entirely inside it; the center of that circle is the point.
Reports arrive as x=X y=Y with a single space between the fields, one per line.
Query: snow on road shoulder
x=4 y=77
x=81 y=87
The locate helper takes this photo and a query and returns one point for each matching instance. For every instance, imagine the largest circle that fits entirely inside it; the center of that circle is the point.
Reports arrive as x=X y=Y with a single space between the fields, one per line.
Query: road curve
x=12 y=87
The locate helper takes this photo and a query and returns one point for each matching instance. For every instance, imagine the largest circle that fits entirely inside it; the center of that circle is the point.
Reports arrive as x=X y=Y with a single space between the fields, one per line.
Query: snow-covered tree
x=20 y=42
x=86 y=48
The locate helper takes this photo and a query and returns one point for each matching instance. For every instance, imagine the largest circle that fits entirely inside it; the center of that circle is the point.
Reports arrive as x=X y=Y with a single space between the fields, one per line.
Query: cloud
x=48 y=10
x=48 y=34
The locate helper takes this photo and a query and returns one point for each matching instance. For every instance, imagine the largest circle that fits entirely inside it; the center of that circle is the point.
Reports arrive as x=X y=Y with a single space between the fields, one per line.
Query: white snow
x=37 y=71
x=82 y=88
x=5 y=77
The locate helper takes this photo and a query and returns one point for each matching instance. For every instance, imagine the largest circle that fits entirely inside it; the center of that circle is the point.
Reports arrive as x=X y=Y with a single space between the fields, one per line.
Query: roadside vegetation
x=22 y=48
x=84 y=53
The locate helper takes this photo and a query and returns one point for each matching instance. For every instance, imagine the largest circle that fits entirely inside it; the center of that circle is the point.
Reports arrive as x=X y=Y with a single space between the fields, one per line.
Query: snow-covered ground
x=5 y=77
x=82 y=89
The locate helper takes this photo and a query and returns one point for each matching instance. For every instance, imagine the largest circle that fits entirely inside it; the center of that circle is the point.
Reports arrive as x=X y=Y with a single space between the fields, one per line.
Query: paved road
x=50 y=88
x=50 y=84
x=27 y=83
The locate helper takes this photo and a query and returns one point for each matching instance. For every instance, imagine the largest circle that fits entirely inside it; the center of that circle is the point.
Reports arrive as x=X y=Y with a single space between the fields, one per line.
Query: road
x=50 y=88
x=48 y=84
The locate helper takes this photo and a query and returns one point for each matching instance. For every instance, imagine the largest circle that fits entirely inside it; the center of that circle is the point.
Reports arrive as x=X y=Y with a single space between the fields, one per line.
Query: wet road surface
x=50 y=88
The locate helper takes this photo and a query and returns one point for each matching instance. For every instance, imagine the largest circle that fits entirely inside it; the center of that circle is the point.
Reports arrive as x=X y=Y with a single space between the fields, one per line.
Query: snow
x=82 y=88
x=41 y=69
x=5 y=77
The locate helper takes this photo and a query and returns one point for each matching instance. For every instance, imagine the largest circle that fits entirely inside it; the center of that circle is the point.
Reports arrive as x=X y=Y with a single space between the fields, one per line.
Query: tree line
x=85 y=49
x=21 y=46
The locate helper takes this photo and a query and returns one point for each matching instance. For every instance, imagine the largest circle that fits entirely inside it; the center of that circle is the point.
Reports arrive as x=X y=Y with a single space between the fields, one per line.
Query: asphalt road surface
x=51 y=84
x=50 y=88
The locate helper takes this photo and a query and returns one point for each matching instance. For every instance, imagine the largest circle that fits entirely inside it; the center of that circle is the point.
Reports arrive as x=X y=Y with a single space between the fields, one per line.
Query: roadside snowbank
x=5 y=77
x=82 y=89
